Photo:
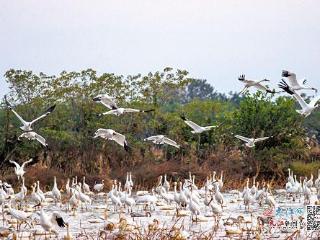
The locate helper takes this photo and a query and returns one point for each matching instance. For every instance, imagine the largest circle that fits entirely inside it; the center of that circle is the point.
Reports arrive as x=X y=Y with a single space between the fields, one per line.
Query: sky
x=213 y=40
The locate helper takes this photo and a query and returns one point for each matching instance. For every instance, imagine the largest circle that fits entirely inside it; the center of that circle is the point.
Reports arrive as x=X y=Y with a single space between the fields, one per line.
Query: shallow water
x=88 y=222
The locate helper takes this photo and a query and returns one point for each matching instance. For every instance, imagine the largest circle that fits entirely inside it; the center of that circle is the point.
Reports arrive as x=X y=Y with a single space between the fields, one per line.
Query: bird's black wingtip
x=50 y=109
x=183 y=117
x=241 y=77
x=285 y=73
x=283 y=85
x=61 y=223
x=149 y=110
x=126 y=147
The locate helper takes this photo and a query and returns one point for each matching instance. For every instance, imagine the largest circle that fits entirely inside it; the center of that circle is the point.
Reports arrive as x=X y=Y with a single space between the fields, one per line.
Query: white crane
x=55 y=191
x=120 y=111
x=253 y=83
x=99 y=186
x=48 y=223
x=27 y=126
x=196 y=128
x=166 y=183
x=110 y=134
x=161 y=139
x=85 y=186
x=294 y=83
x=250 y=142
x=19 y=169
x=106 y=100
x=33 y=136
x=306 y=108
x=19 y=215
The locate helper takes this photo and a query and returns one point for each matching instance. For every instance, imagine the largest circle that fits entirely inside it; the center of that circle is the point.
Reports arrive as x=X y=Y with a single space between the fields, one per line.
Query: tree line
x=69 y=129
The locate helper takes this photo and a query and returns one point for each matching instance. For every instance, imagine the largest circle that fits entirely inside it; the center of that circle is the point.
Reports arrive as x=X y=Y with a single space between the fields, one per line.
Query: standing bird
x=161 y=139
x=256 y=84
x=294 y=83
x=55 y=191
x=306 y=108
x=196 y=128
x=110 y=134
x=250 y=142
x=19 y=170
x=27 y=126
x=99 y=186
x=120 y=111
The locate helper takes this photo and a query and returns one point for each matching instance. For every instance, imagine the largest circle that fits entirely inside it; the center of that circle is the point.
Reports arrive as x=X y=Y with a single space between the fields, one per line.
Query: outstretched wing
x=119 y=138
x=170 y=142
x=193 y=125
x=314 y=100
x=46 y=113
x=26 y=162
x=131 y=110
x=152 y=138
x=15 y=163
x=110 y=112
x=106 y=100
x=261 y=139
x=292 y=78
x=283 y=85
x=242 y=138
x=40 y=139
x=15 y=113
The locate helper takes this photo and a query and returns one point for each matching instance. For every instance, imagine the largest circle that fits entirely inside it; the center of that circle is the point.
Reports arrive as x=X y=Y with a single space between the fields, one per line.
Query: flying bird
x=110 y=134
x=294 y=83
x=256 y=84
x=161 y=139
x=33 y=136
x=19 y=169
x=250 y=142
x=306 y=108
x=196 y=128
x=106 y=100
x=120 y=111
x=27 y=126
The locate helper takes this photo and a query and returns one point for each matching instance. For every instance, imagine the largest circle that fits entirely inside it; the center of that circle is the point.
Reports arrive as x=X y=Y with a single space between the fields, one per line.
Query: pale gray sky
x=215 y=40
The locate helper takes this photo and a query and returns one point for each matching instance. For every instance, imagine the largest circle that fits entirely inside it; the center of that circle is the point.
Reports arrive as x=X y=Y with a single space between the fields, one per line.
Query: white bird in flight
x=250 y=142
x=196 y=128
x=120 y=111
x=256 y=84
x=19 y=169
x=106 y=100
x=34 y=136
x=161 y=139
x=306 y=108
x=110 y=134
x=27 y=126
x=294 y=83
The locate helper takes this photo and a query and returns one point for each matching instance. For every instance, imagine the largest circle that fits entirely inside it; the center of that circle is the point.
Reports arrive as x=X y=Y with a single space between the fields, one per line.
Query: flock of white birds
x=202 y=202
